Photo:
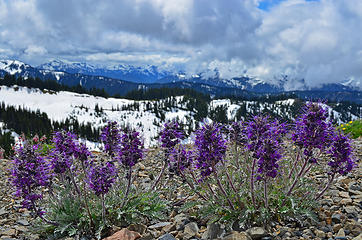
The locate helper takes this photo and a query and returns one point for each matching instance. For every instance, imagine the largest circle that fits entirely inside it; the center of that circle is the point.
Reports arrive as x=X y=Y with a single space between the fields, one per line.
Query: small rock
x=355 y=187
x=354 y=227
x=320 y=233
x=344 y=194
x=173 y=214
x=336 y=218
x=21 y=229
x=213 y=231
x=23 y=222
x=141 y=166
x=236 y=236
x=169 y=228
x=147 y=236
x=354 y=192
x=359 y=237
x=256 y=232
x=350 y=209
x=346 y=201
x=167 y=236
x=140 y=228
x=341 y=233
x=180 y=220
x=3 y=212
x=191 y=229
x=124 y=234
x=333 y=193
x=159 y=225
x=9 y=232
x=336 y=227
x=287 y=234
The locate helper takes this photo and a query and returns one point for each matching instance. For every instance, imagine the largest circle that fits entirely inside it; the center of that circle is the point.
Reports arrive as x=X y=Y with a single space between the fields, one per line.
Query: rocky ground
x=340 y=217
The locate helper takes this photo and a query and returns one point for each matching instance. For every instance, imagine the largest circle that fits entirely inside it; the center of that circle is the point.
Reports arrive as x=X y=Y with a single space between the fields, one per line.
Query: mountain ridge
x=241 y=86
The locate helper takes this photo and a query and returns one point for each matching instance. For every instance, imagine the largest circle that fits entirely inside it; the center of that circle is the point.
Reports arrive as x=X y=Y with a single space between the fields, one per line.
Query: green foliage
x=162 y=93
x=219 y=114
x=141 y=207
x=298 y=207
x=70 y=213
x=6 y=142
x=354 y=128
x=45 y=149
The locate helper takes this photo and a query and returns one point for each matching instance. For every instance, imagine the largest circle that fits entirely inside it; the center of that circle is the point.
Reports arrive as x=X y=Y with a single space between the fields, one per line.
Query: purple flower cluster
x=130 y=149
x=65 y=142
x=340 y=153
x=211 y=147
x=171 y=135
x=111 y=138
x=101 y=177
x=265 y=138
x=312 y=129
x=180 y=159
x=66 y=148
x=236 y=133
x=82 y=153
x=30 y=172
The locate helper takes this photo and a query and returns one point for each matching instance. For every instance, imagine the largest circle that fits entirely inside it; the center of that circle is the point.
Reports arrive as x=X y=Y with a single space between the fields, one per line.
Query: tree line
x=29 y=122
x=10 y=80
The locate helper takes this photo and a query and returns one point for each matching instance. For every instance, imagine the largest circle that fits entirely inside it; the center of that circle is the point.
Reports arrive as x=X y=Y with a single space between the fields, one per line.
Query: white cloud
x=316 y=40
x=34 y=50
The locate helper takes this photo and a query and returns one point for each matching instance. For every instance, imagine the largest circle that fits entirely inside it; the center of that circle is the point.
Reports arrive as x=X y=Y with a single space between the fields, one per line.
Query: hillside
x=148 y=115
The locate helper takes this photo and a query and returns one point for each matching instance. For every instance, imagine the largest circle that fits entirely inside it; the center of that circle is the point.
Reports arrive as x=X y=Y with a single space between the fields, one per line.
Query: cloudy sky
x=318 y=40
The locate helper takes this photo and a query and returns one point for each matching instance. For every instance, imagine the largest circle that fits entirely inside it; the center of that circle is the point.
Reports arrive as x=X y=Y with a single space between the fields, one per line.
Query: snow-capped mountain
x=112 y=86
x=108 y=78
x=145 y=74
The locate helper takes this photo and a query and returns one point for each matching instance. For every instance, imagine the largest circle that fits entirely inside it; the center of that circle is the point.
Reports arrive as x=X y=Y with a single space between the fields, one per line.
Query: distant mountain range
x=120 y=79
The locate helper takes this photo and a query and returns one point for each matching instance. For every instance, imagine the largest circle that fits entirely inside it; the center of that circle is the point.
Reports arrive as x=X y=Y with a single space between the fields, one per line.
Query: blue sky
x=318 y=41
x=268 y=4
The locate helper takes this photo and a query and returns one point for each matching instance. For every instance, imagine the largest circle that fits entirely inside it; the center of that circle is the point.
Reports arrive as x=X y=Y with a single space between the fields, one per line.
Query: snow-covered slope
x=62 y=105
x=149 y=116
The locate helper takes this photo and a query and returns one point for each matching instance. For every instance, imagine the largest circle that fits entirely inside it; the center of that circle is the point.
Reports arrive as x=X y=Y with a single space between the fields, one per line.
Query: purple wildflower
x=111 y=138
x=82 y=153
x=101 y=177
x=171 y=135
x=312 y=129
x=65 y=147
x=268 y=155
x=340 y=152
x=29 y=174
x=65 y=143
x=265 y=138
x=236 y=133
x=131 y=148
x=211 y=146
x=180 y=159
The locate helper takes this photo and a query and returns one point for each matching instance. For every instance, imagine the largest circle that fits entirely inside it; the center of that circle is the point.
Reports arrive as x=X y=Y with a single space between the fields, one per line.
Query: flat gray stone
x=213 y=231
x=159 y=225
x=191 y=229
x=256 y=232
x=23 y=222
x=167 y=236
